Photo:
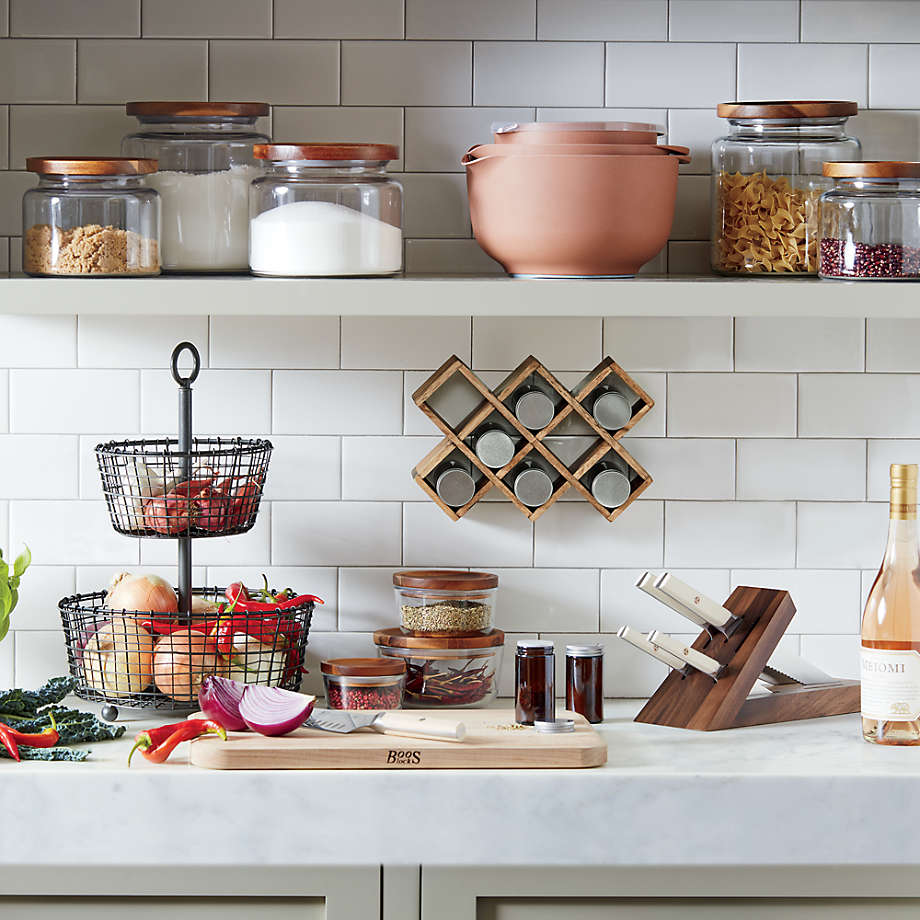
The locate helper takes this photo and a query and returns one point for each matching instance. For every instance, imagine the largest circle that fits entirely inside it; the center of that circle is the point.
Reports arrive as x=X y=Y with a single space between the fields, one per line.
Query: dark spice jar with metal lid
x=534 y=681
x=584 y=681
x=364 y=683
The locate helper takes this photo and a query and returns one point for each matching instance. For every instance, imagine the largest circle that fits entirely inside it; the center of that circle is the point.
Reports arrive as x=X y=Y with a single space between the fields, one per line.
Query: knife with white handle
x=647 y=584
x=634 y=637
x=389 y=722
x=685 y=653
x=712 y=613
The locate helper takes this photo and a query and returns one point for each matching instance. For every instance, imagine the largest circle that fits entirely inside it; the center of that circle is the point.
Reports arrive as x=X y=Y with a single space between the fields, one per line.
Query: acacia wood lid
x=396 y=638
x=813 y=108
x=198 y=109
x=332 y=152
x=873 y=169
x=90 y=166
x=364 y=667
x=445 y=580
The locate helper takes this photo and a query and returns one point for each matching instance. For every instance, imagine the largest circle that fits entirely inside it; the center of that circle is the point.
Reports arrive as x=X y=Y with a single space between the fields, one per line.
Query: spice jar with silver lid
x=534 y=681
x=445 y=602
x=584 y=681
x=611 y=483
x=91 y=216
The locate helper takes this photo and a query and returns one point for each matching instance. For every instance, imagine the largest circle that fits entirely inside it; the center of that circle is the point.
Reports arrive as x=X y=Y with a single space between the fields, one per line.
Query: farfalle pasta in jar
x=767 y=181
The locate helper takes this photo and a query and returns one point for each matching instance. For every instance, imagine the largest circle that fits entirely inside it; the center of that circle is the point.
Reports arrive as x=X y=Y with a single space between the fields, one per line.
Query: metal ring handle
x=196 y=357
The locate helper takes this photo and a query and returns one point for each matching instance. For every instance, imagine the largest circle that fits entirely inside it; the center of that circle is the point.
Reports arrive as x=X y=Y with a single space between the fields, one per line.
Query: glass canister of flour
x=325 y=210
x=206 y=165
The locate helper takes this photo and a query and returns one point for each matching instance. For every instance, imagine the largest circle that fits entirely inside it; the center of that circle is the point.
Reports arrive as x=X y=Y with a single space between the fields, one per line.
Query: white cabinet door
x=78 y=908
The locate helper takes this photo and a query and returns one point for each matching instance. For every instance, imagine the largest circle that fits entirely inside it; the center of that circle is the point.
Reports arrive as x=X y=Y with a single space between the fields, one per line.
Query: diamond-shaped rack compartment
x=571 y=449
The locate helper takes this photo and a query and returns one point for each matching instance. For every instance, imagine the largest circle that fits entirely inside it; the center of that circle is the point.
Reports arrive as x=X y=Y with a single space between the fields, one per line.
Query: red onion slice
x=273 y=711
x=219 y=699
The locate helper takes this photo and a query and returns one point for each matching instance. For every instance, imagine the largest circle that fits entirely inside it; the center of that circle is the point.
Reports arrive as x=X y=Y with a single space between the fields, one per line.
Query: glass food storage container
x=206 y=166
x=324 y=210
x=456 y=672
x=441 y=602
x=766 y=182
x=90 y=216
x=870 y=221
x=363 y=683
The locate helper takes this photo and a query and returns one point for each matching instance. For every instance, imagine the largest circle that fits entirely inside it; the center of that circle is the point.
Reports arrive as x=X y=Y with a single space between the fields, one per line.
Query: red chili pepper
x=9 y=742
x=157 y=744
x=248 y=606
x=236 y=593
x=46 y=738
x=263 y=629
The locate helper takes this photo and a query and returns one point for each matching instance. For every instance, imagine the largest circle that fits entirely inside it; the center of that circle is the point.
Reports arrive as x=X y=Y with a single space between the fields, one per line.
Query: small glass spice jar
x=90 y=216
x=584 y=681
x=534 y=681
x=325 y=210
x=767 y=179
x=870 y=221
x=443 y=602
x=364 y=683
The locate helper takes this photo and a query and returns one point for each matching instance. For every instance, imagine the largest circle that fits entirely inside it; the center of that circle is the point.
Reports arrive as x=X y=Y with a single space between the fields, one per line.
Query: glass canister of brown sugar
x=584 y=681
x=534 y=681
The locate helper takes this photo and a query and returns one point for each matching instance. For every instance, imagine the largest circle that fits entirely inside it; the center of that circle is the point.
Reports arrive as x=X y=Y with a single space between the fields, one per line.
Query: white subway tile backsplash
x=696 y=129
x=225 y=402
x=879 y=21
x=39 y=655
x=397 y=342
x=415 y=421
x=730 y=534
x=859 y=405
x=440 y=19
x=688 y=257
x=435 y=205
x=342 y=19
x=881 y=455
x=563 y=344
x=337 y=402
x=38 y=341
x=305 y=468
x=73 y=401
x=840 y=535
x=798 y=344
x=38 y=466
x=686 y=468
x=12 y=187
x=612 y=20
x=207 y=19
x=324 y=645
x=280 y=72
x=4 y=147
x=4 y=521
x=4 y=401
x=656 y=385
x=812 y=470
x=251 y=548
x=675 y=74
x=538 y=73
x=674 y=343
x=628 y=672
x=448 y=257
x=891 y=345
x=774 y=71
x=887 y=135
x=623 y=604
x=39 y=594
x=550 y=600
x=836 y=655
x=113 y=70
x=734 y=20
x=90 y=578
x=35 y=70
x=366 y=599
x=826 y=602
x=379 y=469
x=274 y=342
x=86 y=19
x=657 y=116
x=70 y=533
x=731 y=405
x=4 y=18
x=137 y=341
x=692 y=212
x=407 y=73
x=336 y=533
x=573 y=534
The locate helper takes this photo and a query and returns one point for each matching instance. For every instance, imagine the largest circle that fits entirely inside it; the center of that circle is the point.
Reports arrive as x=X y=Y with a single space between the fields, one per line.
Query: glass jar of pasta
x=766 y=182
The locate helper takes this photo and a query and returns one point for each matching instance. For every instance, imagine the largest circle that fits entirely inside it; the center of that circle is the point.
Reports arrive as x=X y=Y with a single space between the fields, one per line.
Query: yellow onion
x=118 y=658
x=142 y=593
x=181 y=661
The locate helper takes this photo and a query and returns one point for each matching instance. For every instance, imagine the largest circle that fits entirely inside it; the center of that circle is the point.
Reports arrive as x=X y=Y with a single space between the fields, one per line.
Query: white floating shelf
x=432 y=295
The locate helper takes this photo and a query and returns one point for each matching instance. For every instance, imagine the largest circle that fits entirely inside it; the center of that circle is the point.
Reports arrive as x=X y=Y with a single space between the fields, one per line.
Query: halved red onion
x=219 y=699
x=273 y=711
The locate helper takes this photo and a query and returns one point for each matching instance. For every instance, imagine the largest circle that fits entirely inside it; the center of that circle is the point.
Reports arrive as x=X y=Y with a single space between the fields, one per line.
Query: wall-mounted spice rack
x=571 y=448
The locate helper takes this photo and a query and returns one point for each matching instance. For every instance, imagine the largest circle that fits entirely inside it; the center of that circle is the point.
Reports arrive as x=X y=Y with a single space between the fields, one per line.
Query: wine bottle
x=890 y=659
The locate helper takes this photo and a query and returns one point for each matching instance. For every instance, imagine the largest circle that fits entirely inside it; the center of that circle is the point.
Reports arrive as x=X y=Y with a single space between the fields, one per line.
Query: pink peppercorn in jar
x=870 y=221
x=364 y=683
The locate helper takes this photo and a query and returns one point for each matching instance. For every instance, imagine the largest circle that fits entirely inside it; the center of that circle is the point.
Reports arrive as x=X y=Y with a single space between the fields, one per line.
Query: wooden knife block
x=698 y=702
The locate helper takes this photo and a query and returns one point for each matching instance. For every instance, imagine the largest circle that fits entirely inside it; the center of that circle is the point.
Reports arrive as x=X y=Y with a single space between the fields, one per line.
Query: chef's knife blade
x=390 y=722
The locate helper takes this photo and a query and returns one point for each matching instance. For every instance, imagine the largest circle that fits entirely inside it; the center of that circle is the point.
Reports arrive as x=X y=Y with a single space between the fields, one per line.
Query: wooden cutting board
x=492 y=741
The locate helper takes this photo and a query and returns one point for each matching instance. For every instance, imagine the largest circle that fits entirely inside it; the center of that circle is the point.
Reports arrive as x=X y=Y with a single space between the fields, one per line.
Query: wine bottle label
x=890 y=684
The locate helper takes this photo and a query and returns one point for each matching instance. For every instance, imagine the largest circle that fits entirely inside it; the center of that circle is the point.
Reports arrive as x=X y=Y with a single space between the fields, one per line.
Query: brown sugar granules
x=89 y=250
x=767 y=225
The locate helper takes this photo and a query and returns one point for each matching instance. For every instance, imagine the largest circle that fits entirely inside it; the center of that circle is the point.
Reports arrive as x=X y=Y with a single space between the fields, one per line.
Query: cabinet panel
x=146 y=908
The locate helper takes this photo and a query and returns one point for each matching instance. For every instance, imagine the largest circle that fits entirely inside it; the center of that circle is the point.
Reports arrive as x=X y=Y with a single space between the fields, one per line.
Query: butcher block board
x=491 y=743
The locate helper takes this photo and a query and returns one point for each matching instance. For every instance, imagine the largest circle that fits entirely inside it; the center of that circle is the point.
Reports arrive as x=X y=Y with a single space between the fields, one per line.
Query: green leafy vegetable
x=9 y=587
x=27 y=702
x=53 y=753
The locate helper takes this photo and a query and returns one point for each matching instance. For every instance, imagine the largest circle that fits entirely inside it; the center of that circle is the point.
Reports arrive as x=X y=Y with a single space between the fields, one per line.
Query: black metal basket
x=156 y=661
x=149 y=494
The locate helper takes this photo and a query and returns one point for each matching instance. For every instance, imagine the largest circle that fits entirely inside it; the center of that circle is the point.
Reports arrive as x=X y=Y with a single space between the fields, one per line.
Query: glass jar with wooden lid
x=767 y=179
x=444 y=602
x=363 y=683
x=91 y=216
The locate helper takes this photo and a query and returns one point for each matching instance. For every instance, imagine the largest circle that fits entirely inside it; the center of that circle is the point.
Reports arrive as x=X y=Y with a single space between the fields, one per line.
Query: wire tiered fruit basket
x=183 y=489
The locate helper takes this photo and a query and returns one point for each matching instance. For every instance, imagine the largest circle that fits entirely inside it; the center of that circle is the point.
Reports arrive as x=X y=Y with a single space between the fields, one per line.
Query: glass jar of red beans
x=870 y=221
x=364 y=683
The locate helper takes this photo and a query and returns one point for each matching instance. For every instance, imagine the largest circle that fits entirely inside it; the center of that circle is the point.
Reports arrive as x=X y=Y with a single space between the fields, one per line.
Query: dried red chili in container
x=363 y=683
x=453 y=672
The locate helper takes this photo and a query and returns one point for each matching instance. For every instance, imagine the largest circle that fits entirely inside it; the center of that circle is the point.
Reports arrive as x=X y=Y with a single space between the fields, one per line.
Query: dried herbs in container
x=442 y=602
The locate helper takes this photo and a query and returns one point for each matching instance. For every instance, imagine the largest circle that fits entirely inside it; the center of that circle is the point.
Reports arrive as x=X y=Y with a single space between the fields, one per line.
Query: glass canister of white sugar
x=206 y=166
x=325 y=210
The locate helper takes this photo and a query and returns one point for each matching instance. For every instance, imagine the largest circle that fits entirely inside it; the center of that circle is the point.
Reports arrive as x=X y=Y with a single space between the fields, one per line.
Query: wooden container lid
x=364 y=667
x=873 y=169
x=197 y=109
x=376 y=153
x=815 y=108
x=445 y=580
x=396 y=638
x=90 y=166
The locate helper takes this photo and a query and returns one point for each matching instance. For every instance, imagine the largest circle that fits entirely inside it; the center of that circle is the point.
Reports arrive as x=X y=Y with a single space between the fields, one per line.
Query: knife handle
x=686 y=653
x=411 y=725
x=635 y=638
x=648 y=584
x=713 y=613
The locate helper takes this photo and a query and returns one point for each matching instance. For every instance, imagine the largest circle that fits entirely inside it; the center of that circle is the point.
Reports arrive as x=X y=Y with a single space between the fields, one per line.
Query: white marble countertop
x=808 y=793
